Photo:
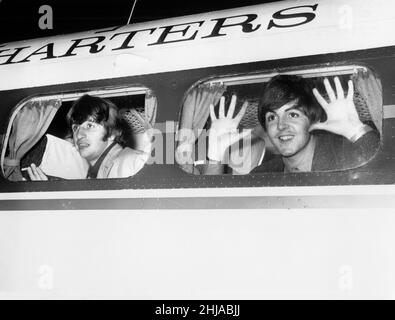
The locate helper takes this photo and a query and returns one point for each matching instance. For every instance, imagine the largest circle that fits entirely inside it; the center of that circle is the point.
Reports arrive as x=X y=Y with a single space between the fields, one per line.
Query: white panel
x=199 y=255
x=349 y=190
x=370 y=26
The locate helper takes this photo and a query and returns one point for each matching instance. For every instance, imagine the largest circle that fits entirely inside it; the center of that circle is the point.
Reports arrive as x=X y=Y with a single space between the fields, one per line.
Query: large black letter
x=131 y=34
x=167 y=30
x=279 y=15
x=246 y=25
x=48 y=52
x=94 y=48
x=11 y=56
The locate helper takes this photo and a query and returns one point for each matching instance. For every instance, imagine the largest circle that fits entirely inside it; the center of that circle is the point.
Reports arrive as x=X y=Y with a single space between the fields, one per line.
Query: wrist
x=214 y=157
x=358 y=132
x=211 y=161
x=216 y=149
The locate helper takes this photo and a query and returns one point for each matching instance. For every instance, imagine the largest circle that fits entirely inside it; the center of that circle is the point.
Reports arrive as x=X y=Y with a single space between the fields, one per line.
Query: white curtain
x=29 y=125
x=369 y=98
x=194 y=115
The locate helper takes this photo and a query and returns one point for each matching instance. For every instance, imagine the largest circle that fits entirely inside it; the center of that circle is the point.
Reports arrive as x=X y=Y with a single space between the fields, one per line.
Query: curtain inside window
x=194 y=115
x=369 y=98
x=140 y=122
x=150 y=107
x=138 y=119
x=29 y=125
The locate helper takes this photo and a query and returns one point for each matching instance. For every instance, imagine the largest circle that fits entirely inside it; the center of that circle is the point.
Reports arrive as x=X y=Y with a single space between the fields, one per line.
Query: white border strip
x=306 y=73
x=105 y=93
x=206 y=192
x=389 y=111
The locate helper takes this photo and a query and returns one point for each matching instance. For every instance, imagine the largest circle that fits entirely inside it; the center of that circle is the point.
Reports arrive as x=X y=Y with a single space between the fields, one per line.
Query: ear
x=111 y=135
x=111 y=138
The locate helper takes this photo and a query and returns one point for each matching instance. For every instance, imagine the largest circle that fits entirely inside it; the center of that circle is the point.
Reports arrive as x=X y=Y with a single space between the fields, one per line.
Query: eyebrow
x=290 y=108
x=90 y=119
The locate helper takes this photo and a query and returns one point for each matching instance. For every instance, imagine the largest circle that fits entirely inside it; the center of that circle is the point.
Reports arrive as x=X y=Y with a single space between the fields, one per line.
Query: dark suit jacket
x=333 y=152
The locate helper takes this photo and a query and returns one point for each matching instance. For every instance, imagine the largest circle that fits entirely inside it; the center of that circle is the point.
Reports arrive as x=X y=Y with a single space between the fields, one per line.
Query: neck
x=303 y=160
x=93 y=161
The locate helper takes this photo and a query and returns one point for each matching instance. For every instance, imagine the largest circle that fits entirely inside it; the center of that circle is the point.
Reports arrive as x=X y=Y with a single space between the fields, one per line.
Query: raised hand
x=342 y=116
x=223 y=132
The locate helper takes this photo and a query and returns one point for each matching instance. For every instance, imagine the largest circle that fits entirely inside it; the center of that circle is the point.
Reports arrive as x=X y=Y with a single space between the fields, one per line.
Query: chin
x=287 y=152
x=84 y=155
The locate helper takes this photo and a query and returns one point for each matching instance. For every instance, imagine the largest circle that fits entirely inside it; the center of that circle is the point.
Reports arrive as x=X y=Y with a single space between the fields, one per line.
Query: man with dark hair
x=289 y=113
x=97 y=130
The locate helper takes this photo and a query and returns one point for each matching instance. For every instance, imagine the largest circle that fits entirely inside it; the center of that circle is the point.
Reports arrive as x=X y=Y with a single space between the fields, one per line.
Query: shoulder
x=328 y=138
x=126 y=162
x=273 y=165
x=128 y=155
x=334 y=152
x=245 y=159
x=129 y=152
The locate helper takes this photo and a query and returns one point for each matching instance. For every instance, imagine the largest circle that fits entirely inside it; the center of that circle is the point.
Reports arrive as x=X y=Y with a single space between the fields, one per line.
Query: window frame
x=262 y=76
x=67 y=96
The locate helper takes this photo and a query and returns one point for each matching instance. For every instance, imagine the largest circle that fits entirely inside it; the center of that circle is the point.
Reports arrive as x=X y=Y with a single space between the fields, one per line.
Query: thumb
x=241 y=135
x=244 y=134
x=318 y=126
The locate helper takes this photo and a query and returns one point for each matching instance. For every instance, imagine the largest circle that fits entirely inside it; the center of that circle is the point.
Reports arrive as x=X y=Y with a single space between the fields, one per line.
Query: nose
x=282 y=123
x=79 y=132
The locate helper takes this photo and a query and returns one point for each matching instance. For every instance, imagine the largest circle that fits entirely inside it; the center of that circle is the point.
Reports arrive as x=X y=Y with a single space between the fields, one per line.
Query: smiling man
x=308 y=133
x=98 y=134
x=288 y=130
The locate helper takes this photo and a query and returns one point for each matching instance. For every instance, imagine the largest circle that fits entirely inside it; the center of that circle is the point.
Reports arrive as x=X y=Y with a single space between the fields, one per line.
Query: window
x=39 y=133
x=257 y=149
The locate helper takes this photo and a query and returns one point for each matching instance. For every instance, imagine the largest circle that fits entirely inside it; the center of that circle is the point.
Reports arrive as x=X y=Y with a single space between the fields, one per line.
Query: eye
x=270 y=117
x=74 y=127
x=90 y=125
x=293 y=114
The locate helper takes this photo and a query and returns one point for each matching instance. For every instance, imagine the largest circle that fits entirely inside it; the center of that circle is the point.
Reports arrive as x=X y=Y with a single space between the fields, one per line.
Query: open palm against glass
x=224 y=128
x=342 y=115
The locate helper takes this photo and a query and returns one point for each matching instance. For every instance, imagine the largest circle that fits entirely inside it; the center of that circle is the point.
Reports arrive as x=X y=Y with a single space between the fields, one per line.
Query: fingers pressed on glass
x=320 y=99
x=232 y=106
x=222 y=108
x=339 y=88
x=212 y=113
x=242 y=111
x=350 y=93
x=329 y=90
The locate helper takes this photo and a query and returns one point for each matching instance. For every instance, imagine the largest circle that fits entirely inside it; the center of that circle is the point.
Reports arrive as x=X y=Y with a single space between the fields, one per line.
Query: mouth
x=285 y=138
x=82 y=144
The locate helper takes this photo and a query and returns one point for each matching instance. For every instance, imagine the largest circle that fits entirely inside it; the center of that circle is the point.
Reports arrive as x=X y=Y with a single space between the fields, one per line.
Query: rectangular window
x=39 y=133
x=259 y=147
